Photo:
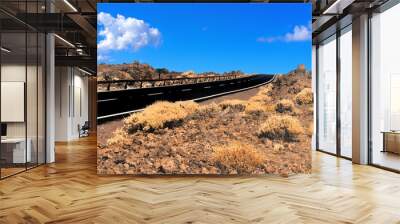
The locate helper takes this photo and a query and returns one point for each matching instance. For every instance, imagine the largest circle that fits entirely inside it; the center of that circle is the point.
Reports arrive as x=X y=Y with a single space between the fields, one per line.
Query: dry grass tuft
x=189 y=106
x=239 y=105
x=260 y=98
x=304 y=97
x=212 y=107
x=278 y=148
x=159 y=115
x=119 y=138
x=263 y=95
x=255 y=107
x=238 y=156
x=310 y=129
x=284 y=105
x=280 y=127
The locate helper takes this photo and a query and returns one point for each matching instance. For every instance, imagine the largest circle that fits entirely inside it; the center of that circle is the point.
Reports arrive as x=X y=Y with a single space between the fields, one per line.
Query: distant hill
x=138 y=71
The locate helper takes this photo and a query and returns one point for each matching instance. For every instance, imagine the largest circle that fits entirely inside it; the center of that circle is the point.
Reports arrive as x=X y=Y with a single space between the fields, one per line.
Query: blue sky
x=253 y=38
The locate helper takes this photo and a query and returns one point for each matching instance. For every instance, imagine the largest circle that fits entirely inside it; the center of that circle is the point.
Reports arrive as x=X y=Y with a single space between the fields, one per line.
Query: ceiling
x=74 y=22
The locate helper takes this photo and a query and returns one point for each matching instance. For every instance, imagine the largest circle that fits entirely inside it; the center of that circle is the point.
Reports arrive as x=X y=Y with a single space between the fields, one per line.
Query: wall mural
x=213 y=89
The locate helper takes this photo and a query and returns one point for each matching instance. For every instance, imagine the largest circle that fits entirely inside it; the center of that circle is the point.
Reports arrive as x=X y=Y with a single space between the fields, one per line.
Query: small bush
x=266 y=90
x=280 y=127
x=263 y=95
x=119 y=138
x=284 y=105
x=310 y=129
x=304 y=97
x=238 y=156
x=206 y=111
x=189 y=106
x=158 y=115
x=239 y=105
x=260 y=98
x=254 y=107
x=278 y=147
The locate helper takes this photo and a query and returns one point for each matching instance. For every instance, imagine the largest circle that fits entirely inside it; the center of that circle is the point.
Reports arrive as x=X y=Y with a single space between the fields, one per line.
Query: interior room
x=46 y=82
x=385 y=89
x=22 y=64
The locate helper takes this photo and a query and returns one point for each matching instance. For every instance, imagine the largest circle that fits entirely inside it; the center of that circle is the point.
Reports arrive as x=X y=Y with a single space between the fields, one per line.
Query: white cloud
x=122 y=33
x=299 y=33
x=102 y=58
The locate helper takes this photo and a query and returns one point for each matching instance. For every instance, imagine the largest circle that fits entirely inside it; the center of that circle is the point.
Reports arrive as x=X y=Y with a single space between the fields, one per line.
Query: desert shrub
x=239 y=105
x=284 y=105
x=205 y=111
x=118 y=138
x=212 y=107
x=260 y=98
x=189 y=106
x=310 y=129
x=278 y=147
x=280 y=127
x=254 y=107
x=305 y=96
x=266 y=90
x=238 y=156
x=161 y=114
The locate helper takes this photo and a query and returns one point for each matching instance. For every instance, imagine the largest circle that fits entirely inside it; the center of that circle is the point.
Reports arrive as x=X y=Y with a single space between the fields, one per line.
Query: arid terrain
x=269 y=133
x=138 y=71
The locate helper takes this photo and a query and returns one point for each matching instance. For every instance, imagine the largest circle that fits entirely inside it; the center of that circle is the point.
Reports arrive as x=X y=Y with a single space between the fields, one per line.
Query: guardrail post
x=108 y=86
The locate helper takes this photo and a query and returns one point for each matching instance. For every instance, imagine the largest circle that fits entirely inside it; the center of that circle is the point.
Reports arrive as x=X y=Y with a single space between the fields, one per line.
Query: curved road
x=105 y=130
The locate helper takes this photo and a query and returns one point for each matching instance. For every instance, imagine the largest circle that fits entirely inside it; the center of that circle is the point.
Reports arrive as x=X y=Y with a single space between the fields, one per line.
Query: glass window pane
x=346 y=92
x=31 y=98
x=13 y=86
x=41 y=98
x=327 y=95
x=385 y=92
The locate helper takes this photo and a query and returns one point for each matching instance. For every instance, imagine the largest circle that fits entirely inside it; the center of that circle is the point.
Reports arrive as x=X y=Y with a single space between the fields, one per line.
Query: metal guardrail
x=150 y=83
x=199 y=99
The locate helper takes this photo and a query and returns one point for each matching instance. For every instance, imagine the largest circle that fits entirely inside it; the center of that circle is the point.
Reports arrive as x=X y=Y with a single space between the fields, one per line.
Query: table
x=391 y=141
x=13 y=150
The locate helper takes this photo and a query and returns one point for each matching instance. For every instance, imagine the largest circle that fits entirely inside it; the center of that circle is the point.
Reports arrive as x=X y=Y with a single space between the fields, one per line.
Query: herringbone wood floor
x=69 y=191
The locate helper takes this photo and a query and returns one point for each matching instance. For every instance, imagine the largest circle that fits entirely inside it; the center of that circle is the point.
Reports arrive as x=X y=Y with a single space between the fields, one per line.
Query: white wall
x=71 y=87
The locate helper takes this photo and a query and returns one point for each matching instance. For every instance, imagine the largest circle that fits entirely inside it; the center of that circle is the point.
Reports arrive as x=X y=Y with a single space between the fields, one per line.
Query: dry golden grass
x=260 y=98
x=118 y=138
x=189 y=106
x=266 y=90
x=284 y=105
x=305 y=96
x=212 y=107
x=263 y=95
x=280 y=127
x=278 y=148
x=238 y=156
x=255 y=107
x=161 y=114
x=310 y=129
x=233 y=104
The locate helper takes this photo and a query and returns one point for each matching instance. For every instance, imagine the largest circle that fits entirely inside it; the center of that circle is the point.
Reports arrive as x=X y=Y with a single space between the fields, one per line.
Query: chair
x=84 y=130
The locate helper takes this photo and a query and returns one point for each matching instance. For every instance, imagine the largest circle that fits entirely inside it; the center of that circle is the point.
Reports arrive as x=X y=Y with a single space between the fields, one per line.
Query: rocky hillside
x=137 y=71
